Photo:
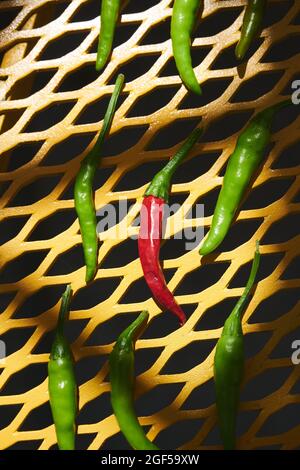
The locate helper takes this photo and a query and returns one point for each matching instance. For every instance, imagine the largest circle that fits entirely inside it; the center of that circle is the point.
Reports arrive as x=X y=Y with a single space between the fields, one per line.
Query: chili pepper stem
x=160 y=185
x=232 y=326
x=83 y=192
x=134 y=331
x=64 y=309
x=266 y=115
x=108 y=118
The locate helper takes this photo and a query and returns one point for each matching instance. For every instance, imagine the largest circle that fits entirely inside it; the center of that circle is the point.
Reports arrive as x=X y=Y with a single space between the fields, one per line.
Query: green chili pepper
x=109 y=16
x=243 y=163
x=83 y=192
x=229 y=363
x=121 y=364
x=251 y=24
x=182 y=24
x=62 y=383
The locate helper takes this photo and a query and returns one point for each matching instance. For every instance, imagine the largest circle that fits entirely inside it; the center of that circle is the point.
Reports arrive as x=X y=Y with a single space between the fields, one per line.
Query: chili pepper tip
x=120 y=78
x=180 y=314
x=238 y=54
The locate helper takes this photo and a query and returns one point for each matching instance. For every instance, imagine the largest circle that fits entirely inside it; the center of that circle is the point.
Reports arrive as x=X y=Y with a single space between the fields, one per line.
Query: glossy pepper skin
x=182 y=23
x=229 y=364
x=83 y=191
x=109 y=16
x=122 y=379
x=62 y=383
x=252 y=22
x=242 y=165
x=150 y=234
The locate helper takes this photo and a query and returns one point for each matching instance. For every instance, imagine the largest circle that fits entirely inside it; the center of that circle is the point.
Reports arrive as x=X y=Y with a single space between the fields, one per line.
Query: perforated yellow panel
x=24 y=42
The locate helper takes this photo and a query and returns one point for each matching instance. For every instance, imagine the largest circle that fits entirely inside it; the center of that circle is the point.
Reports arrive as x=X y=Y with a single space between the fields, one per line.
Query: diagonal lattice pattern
x=39 y=86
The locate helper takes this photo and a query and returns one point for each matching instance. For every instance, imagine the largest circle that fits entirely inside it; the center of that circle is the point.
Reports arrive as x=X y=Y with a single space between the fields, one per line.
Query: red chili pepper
x=150 y=234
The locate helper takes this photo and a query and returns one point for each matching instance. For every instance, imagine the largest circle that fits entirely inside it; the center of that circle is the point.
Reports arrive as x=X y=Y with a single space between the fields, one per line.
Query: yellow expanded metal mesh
x=23 y=43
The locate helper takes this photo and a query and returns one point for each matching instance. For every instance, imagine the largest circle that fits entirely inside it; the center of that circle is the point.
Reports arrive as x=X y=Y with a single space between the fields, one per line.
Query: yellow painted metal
x=12 y=74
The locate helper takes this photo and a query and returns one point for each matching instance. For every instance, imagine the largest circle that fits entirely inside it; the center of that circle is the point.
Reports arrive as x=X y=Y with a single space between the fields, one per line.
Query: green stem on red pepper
x=150 y=234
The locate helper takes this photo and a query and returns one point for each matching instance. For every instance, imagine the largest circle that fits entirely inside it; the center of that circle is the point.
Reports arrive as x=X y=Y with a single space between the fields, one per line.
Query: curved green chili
x=182 y=24
x=243 y=163
x=229 y=363
x=62 y=383
x=252 y=21
x=121 y=365
x=109 y=16
x=83 y=192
